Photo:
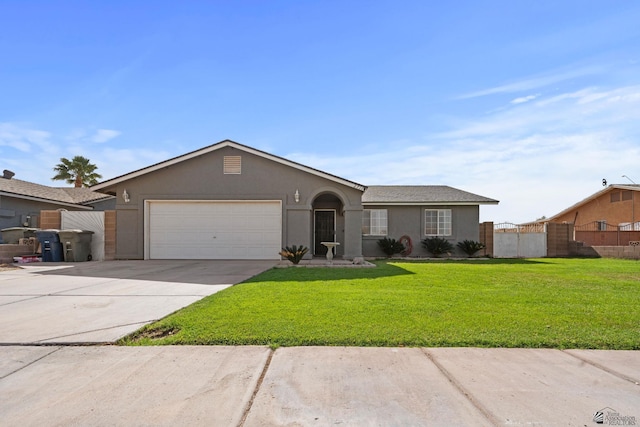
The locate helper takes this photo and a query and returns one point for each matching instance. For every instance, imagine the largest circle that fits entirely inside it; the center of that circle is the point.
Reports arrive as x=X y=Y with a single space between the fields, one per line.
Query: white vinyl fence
x=88 y=221
x=519 y=241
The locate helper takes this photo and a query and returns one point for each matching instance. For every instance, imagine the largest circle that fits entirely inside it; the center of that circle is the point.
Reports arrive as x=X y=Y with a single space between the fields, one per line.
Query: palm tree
x=77 y=171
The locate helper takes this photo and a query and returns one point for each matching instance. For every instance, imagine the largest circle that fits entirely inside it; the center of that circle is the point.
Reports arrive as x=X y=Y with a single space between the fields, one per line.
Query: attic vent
x=7 y=174
x=232 y=165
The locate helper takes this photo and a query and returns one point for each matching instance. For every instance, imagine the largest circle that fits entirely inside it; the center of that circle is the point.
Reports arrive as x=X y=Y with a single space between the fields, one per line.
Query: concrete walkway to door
x=100 y=302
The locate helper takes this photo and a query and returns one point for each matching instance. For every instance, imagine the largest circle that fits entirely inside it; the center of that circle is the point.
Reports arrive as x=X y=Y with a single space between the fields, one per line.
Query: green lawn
x=555 y=303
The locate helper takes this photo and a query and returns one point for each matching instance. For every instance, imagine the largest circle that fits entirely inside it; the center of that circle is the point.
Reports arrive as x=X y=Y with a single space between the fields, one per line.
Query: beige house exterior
x=614 y=206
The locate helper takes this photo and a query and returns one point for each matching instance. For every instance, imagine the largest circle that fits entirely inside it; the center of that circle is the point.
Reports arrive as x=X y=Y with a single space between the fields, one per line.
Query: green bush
x=437 y=246
x=294 y=253
x=390 y=246
x=470 y=247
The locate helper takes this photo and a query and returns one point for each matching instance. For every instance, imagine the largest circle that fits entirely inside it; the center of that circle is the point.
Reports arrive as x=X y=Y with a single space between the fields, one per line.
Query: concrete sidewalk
x=320 y=386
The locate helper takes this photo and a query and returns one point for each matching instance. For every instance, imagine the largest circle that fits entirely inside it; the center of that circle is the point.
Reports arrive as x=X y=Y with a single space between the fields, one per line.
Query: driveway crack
x=257 y=389
x=604 y=368
x=467 y=394
x=31 y=363
x=47 y=340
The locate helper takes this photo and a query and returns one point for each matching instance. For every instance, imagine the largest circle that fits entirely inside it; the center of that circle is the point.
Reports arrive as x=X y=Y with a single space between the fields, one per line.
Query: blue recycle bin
x=51 y=246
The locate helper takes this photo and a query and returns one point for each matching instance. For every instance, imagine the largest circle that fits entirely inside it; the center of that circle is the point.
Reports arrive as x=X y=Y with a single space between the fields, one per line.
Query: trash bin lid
x=47 y=234
x=76 y=231
x=20 y=229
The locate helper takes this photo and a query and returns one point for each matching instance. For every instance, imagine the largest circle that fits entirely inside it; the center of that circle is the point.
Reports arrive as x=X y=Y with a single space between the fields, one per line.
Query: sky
x=529 y=103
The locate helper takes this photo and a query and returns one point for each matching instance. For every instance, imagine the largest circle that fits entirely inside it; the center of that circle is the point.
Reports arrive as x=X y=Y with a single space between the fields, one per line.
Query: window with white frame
x=374 y=222
x=437 y=222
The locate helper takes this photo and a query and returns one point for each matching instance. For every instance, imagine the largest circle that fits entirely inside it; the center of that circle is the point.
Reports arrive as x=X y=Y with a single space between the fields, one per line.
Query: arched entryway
x=328 y=223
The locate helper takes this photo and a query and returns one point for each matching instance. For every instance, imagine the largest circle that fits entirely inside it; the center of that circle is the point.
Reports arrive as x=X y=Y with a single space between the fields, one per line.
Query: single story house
x=22 y=201
x=616 y=205
x=231 y=201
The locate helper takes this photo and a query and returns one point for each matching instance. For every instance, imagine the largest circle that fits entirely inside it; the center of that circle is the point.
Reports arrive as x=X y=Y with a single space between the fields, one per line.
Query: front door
x=325 y=230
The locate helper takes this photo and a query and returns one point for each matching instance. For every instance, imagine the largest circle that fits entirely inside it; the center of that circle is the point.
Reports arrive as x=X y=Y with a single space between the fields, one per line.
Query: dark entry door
x=325 y=230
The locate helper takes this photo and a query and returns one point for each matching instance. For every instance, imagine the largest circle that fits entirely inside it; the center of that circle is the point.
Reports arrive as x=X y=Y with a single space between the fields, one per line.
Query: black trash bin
x=51 y=246
x=76 y=245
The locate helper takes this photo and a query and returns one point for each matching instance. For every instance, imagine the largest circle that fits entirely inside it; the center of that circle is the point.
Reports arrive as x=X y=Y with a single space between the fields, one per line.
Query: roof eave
x=43 y=200
x=440 y=203
x=218 y=146
x=102 y=199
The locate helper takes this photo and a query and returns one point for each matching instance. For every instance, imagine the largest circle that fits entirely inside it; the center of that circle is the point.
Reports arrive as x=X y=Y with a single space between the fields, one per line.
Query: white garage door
x=214 y=230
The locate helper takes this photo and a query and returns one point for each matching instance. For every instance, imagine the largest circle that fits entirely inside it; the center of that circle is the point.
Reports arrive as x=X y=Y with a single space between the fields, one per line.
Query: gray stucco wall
x=410 y=220
x=202 y=178
x=14 y=211
x=104 y=205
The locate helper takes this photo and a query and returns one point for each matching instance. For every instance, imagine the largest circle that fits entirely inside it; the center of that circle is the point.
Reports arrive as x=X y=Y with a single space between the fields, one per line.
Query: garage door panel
x=214 y=230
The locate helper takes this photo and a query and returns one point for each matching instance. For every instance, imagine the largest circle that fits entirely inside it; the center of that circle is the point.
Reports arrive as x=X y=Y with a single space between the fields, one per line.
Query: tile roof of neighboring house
x=70 y=196
x=422 y=195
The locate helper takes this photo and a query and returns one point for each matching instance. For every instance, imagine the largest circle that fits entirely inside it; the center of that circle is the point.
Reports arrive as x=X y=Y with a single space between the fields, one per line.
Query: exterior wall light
x=125 y=196
x=296 y=196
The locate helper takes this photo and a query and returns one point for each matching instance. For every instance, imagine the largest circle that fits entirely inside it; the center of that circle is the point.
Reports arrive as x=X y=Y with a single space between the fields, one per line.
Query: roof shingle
x=74 y=196
x=421 y=194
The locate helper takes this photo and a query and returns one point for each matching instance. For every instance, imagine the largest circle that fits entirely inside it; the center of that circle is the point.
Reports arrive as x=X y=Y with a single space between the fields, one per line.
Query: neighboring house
x=231 y=201
x=22 y=201
x=617 y=205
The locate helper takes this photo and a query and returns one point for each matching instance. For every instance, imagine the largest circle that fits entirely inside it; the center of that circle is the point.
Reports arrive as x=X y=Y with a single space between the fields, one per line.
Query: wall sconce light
x=125 y=196
x=296 y=196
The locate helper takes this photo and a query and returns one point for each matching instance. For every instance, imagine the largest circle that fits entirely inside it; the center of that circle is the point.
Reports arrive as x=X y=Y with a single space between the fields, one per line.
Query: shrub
x=470 y=247
x=390 y=246
x=294 y=253
x=437 y=246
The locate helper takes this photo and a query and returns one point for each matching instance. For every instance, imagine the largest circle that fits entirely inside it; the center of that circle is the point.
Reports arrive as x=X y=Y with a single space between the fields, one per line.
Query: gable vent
x=232 y=165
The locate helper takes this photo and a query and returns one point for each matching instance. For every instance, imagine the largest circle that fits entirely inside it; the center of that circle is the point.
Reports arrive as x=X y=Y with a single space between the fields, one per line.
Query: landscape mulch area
x=7 y=267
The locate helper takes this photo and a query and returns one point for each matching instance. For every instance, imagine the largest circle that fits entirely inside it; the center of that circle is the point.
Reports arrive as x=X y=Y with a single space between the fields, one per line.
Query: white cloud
x=535 y=82
x=115 y=162
x=524 y=99
x=22 y=138
x=104 y=135
x=32 y=153
x=537 y=157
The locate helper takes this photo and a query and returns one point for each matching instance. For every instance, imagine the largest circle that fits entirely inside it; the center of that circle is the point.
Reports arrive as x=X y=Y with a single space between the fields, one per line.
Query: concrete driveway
x=100 y=302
